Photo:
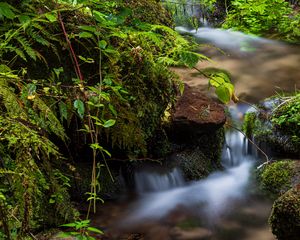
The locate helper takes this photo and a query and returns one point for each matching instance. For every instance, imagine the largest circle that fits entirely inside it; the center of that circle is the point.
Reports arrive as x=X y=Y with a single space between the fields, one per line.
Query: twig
x=74 y=57
x=253 y=143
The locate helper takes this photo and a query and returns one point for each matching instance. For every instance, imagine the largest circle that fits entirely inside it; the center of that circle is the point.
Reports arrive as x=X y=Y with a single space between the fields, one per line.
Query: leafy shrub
x=261 y=17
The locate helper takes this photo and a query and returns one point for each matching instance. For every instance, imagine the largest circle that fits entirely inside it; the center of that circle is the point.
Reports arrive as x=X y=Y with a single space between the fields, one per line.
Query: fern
x=47 y=116
x=10 y=100
x=26 y=46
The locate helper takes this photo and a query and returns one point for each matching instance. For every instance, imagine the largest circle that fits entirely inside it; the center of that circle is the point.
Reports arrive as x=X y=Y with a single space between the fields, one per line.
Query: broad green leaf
x=88 y=28
x=102 y=44
x=96 y=230
x=109 y=123
x=79 y=106
x=85 y=35
x=223 y=93
x=100 y=17
x=51 y=16
x=6 y=10
x=24 y=19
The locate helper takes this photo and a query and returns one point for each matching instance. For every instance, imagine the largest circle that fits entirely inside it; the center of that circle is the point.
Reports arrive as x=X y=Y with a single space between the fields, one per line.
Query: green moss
x=286 y=118
x=276 y=178
x=285 y=216
x=150 y=11
x=249 y=124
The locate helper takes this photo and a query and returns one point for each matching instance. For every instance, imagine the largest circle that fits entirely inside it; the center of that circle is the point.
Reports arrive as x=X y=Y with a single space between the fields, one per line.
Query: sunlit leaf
x=79 y=106
x=109 y=123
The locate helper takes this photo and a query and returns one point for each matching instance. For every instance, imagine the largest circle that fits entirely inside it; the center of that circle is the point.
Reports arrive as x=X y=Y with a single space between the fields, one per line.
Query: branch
x=77 y=68
x=253 y=143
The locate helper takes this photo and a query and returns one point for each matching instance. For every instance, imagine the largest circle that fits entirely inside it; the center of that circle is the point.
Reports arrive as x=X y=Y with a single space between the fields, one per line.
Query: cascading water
x=161 y=193
x=155 y=178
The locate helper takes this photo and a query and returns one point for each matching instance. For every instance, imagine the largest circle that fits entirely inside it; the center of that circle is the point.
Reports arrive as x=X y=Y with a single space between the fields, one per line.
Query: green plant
x=258 y=16
x=83 y=230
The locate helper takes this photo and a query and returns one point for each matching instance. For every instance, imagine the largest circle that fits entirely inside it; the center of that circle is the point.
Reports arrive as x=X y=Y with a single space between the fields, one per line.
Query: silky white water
x=210 y=197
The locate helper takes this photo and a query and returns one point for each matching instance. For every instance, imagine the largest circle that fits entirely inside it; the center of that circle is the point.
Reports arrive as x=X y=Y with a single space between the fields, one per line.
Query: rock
x=285 y=216
x=196 y=114
x=279 y=176
x=197 y=133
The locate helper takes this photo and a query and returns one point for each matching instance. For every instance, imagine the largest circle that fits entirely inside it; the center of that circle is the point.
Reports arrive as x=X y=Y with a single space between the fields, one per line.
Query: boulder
x=197 y=133
x=285 y=216
x=195 y=114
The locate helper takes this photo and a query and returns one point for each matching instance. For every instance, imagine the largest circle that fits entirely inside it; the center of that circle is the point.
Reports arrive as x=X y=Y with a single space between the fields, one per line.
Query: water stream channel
x=227 y=204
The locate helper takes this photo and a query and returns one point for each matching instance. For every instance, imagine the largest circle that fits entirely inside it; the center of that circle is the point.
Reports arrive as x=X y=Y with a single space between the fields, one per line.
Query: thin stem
x=253 y=143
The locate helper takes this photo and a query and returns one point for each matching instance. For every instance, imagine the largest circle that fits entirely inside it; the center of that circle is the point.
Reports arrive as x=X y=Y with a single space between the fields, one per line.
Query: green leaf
x=100 y=17
x=6 y=10
x=96 y=230
x=63 y=111
x=102 y=44
x=24 y=19
x=223 y=93
x=69 y=225
x=79 y=106
x=51 y=16
x=85 y=35
x=113 y=110
x=109 y=123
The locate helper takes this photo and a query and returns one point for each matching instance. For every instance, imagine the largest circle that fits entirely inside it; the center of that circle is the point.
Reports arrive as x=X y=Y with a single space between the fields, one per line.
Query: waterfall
x=157 y=178
x=164 y=191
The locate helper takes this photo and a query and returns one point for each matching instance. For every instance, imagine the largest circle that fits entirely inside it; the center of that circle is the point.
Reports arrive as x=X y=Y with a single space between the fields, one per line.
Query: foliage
x=114 y=100
x=285 y=215
x=277 y=125
x=82 y=231
x=286 y=116
x=258 y=16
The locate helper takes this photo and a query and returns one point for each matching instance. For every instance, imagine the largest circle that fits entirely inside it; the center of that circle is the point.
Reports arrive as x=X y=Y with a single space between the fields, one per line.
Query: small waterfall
x=155 y=179
x=166 y=190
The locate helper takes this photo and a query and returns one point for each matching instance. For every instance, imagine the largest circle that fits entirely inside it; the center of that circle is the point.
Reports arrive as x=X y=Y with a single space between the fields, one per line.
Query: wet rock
x=285 y=216
x=279 y=176
x=196 y=114
x=275 y=126
x=197 y=133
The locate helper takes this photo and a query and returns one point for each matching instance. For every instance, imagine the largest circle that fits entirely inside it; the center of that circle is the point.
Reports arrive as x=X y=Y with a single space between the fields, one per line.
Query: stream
x=227 y=204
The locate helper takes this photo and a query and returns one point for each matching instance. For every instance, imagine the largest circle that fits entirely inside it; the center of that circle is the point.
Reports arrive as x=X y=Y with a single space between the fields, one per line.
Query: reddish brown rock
x=196 y=114
x=194 y=107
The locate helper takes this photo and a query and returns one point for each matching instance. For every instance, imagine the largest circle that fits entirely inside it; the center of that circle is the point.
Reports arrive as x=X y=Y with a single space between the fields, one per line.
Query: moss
x=276 y=125
x=150 y=11
x=276 y=178
x=249 y=123
x=285 y=216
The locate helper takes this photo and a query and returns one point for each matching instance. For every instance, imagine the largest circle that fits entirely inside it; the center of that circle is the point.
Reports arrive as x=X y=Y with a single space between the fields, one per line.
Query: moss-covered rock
x=277 y=177
x=276 y=125
x=285 y=216
x=150 y=11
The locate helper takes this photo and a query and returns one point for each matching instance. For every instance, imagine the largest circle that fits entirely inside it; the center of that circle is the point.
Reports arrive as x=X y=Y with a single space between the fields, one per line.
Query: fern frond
x=49 y=118
x=26 y=46
x=10 y=100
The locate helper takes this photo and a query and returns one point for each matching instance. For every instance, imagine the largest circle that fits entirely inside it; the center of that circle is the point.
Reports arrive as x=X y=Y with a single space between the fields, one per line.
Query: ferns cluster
x=45 y=104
